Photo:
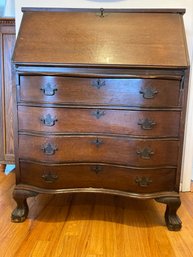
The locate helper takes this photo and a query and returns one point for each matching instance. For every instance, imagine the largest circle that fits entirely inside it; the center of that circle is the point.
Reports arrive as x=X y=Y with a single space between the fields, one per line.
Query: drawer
x=94 y=91
x=102 y=149
x=97 y=176
x=69 y=120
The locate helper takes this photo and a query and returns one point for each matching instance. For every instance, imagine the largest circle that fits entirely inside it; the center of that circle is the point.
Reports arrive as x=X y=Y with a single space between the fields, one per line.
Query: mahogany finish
x=125 y=122
x=98 y=149
x=100 y=111
x=102 y=91
x=94 y=175
x=91 y=39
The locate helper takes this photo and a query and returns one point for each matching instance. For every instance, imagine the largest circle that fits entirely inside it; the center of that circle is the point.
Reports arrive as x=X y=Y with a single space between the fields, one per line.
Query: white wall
x=9 y=8
x=2 y=4
x=187 y=172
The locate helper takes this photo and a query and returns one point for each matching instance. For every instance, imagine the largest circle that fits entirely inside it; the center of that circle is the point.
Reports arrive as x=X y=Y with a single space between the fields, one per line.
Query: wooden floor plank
x=92 y=225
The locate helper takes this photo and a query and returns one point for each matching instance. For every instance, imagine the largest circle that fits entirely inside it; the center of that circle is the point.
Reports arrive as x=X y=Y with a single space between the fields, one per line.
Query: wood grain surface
x=99 y=120
x=102 y=149
x=7 y=43
x=101 y=91
x=104 y=40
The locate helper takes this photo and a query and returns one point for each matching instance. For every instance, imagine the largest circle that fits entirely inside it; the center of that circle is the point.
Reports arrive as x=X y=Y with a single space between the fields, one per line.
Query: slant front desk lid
x=102 y=37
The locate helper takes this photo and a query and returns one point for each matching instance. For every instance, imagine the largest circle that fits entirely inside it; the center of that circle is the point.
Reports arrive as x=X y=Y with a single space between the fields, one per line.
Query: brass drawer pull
x=143 y=181
x=98 y=83
x=48 y=120
x=49 y=149
x=97 y=168
x=48 y=89
x=148 y=93
x=145 y=153
x=98 y=113
x=49 y=177
x=146 y=124
x=97 y=142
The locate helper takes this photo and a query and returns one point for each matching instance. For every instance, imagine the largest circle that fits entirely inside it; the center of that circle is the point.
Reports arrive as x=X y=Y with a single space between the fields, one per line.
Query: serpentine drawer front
x=125 y=122
x=95 y=115
x=95 y=175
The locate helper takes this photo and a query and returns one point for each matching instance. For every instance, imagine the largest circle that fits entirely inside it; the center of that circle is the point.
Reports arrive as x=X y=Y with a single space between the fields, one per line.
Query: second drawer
x=72 y=120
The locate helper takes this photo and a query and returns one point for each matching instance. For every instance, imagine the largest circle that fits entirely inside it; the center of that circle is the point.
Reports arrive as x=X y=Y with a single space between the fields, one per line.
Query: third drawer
x=105 y=149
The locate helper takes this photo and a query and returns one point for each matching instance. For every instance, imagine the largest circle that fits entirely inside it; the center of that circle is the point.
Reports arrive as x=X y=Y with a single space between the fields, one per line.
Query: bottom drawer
x=97 y=176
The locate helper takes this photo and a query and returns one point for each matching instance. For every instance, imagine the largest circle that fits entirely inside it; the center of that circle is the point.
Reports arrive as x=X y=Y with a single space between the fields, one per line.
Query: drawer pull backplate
x=143 y=181
x=146 y=124
x=48 y=120
x=49 y=149
x=148 y=93
x=48 y=89
x=49 y=177
x=145 y=153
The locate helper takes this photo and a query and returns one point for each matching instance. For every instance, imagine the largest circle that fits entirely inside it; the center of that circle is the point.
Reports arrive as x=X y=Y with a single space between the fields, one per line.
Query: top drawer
x=93 y=91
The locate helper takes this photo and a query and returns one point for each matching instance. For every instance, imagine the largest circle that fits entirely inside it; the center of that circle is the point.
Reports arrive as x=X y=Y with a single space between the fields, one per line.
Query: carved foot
x=21 y=211
x=20 y=214
x=173 y=222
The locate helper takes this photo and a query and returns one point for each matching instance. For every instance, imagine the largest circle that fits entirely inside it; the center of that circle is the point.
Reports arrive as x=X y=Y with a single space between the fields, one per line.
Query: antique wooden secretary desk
x=100 y=101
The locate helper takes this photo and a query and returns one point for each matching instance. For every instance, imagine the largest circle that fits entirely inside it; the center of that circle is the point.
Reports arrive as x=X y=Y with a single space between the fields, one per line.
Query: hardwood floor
x=92 y=225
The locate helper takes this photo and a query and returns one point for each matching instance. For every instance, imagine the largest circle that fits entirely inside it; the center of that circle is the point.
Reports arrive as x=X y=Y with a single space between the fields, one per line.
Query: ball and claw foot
x=172 y=220
x=19 y=215
x=21 y=211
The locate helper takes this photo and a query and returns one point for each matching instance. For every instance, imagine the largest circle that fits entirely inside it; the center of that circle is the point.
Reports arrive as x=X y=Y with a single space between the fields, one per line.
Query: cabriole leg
x=21 y=211
x=173 y=222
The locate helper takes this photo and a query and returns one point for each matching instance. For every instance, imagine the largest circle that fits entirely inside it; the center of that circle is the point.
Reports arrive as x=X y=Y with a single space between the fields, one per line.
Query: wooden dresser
x=100 y=101
x=7 y=43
